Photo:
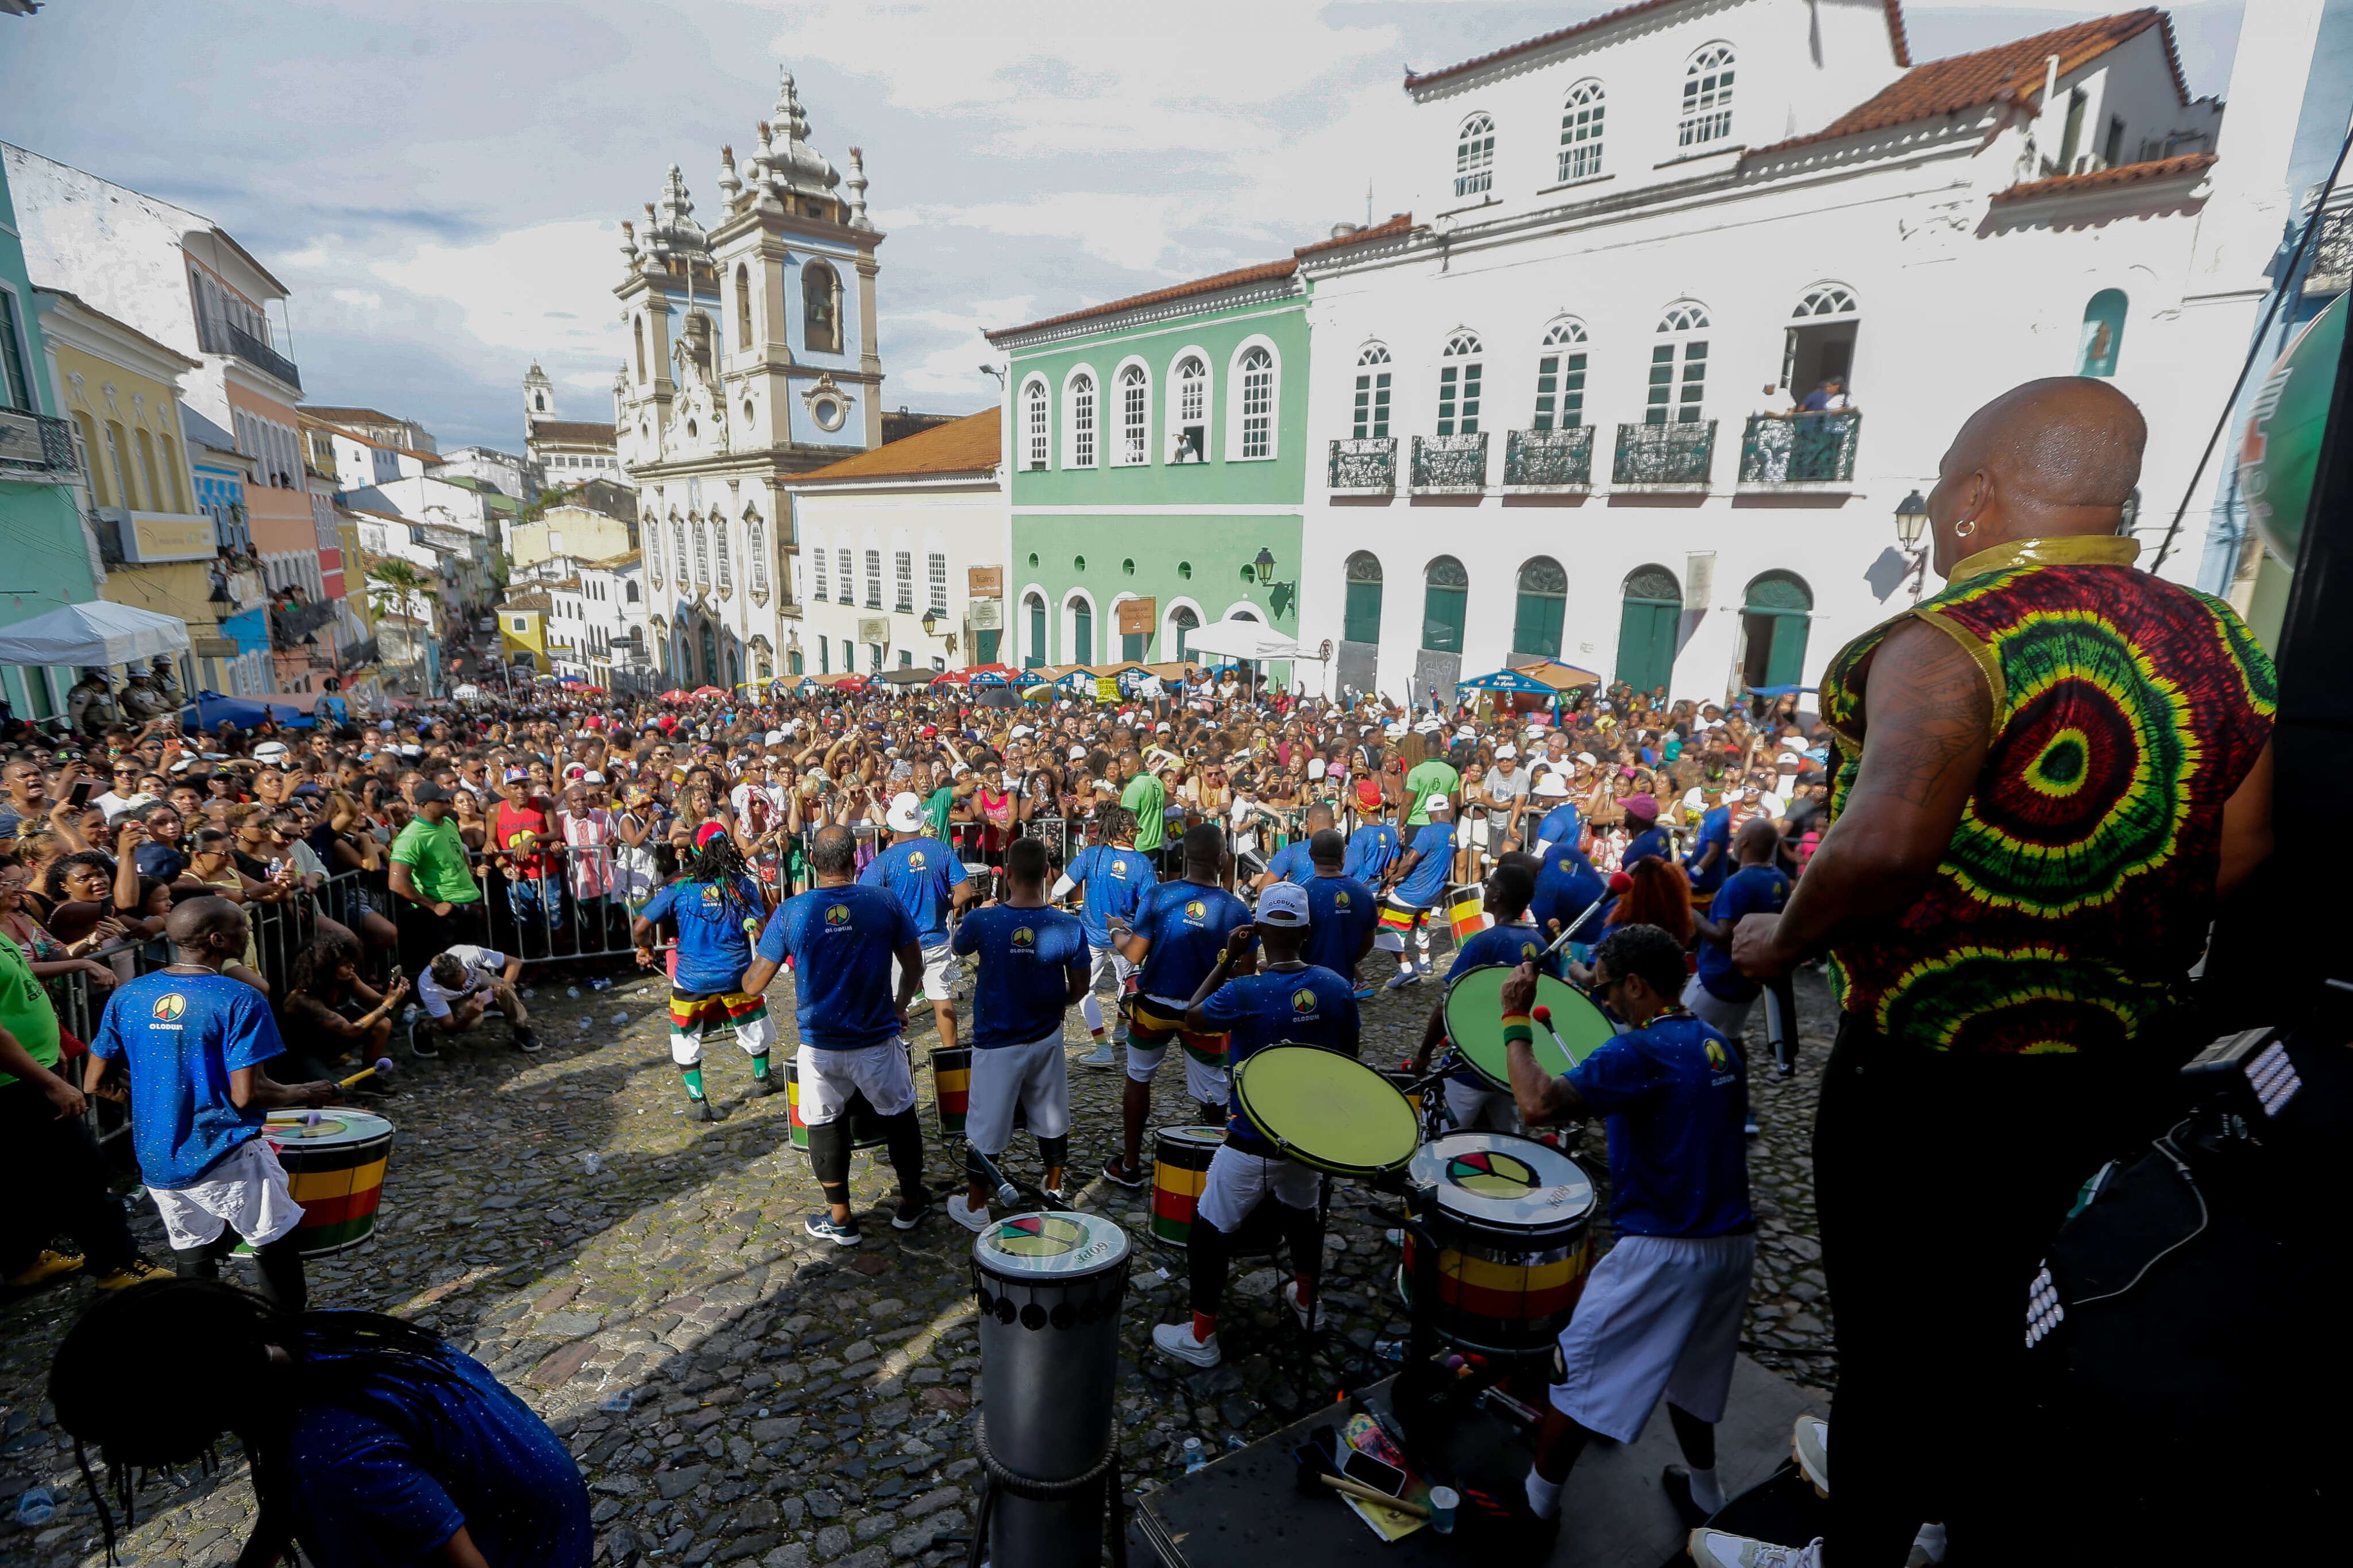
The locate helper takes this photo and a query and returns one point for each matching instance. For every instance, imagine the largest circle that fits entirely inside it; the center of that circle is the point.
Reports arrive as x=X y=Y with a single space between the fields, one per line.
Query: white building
x=558 y=452
x=504 y=471
x=1542 y=409
x=908 y=521
x=596 y=624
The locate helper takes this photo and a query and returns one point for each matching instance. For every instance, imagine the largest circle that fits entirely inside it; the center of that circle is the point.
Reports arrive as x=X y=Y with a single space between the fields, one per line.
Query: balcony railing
x=1669 y=457
x=220 y=338
x=1549 y=459
x=1800 y=448
x=1450 y=464
x=36 y=443
x=1366 y=464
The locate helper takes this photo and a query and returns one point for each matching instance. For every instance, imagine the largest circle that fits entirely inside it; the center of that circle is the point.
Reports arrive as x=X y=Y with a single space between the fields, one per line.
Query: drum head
x=1504 y=1181
x=1211 y=1136
x=1474 y=1022
x=341 y=1125
x=1328 y=1110
x=1046 y=1247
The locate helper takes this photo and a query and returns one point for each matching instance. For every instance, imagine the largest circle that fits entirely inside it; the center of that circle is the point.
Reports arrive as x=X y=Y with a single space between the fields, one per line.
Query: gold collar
x=2067 y=550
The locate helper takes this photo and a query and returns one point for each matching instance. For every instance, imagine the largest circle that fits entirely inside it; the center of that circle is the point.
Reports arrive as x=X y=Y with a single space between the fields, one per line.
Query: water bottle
x=1234 y=1444
x=600 y=984
x=620 y=1018
x=1195 y=1455
x=617 y=1403
x=573 y=992
x=592 y=1162
x=36 y=1507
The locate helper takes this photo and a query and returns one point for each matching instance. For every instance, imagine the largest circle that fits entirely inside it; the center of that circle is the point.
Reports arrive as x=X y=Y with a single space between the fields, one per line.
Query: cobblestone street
x=735 y=1391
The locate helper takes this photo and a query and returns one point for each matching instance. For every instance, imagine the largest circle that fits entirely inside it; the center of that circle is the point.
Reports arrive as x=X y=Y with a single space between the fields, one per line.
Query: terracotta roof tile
x=967 y=446
x=1395 y=223
x=2122 y=174
x=570 y=430
x=1267 y=272
x=1413 y=80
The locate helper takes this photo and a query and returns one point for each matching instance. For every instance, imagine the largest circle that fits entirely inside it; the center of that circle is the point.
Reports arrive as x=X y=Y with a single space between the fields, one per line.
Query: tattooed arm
x=1929 y=712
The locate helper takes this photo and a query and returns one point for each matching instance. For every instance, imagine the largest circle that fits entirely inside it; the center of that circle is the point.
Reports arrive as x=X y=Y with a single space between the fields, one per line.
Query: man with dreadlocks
x=717 y=909
x=370 y=1441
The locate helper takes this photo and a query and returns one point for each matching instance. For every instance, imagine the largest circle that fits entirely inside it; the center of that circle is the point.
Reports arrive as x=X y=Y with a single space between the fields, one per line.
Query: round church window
x=828 y=413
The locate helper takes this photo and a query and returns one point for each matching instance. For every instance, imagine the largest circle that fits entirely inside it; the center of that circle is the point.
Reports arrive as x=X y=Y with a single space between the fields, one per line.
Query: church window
x=937 y=567
x=702 y=552
x=1082 y=421
x=1560 y=378
x=743 y=309
x=1135 y=416
x=905 y=564
x=641 y=348
x=1372 y=414
x=1035 y=396
x=848 y=593
x=1474 y=155
x=817 y=561
x=1257 y=373
x=1707 y=98
x=820 y=309
x=718 y=528
x=873 y=579
x=1192 y=442
x=1458 y=385
x=1580 y=131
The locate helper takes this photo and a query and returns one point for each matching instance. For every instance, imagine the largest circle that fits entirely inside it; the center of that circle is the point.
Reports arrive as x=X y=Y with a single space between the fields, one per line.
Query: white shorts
x=1479 y=1107
x=939 y=972
x=1729 y=1019
x=1237 y=1181
x=1032 y=1077
x=247 y=1192
x=827 y=1079
x=1660 y=1314
x=1207 y=1084
x=1105 y=965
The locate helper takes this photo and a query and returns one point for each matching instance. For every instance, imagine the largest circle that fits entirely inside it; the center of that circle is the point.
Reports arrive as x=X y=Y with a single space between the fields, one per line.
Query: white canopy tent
x=1244 y=639
x=95 y=633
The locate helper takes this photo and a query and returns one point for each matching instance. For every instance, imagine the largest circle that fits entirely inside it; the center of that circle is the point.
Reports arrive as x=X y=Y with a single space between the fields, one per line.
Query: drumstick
x=1359 y=1489
x=381 y=1064
x=1543 y=1014
x=1619 y=883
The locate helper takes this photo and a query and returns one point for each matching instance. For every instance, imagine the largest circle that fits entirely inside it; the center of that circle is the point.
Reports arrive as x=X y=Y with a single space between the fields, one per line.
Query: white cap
x=1506 y=751
x=774 y=738
x=1693 y=800
x=1161 y=728
x=1284 y=904
x=906 y=813
x=1315 y=767
x=1438 y=803
x=1392 y=730
x=1078 y=754
x=1552 y=787
x=269 y=751
x=1020 y=731
x=1588 y=758
x=592 y=776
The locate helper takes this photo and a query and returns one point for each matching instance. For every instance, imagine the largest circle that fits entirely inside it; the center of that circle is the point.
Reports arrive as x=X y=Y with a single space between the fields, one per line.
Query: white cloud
x=545 y=289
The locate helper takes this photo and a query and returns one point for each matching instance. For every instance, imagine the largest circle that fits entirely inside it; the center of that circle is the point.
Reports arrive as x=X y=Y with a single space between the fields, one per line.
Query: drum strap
x=1103 y=1473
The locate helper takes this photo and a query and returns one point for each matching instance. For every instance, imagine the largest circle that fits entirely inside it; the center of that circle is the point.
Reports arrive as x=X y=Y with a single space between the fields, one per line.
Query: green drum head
x=1325 y=1109
x=1047 y=1247
x=1474 y=1022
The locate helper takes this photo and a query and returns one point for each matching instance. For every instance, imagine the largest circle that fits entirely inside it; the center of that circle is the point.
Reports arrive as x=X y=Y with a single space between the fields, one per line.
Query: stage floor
x=1242 y=1512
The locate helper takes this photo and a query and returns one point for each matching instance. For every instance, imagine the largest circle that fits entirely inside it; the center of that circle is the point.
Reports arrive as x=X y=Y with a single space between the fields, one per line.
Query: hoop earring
x=1966 y=527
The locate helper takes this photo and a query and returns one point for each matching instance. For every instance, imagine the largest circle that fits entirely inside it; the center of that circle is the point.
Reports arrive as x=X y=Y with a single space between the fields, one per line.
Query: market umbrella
x=707 y=691
x=1506 y=681
x=99 y=632
x=672 y=695
x=210 y=708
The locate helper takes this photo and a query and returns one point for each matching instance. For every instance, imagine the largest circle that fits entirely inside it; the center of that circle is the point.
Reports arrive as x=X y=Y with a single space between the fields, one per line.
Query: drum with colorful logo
x=1512 y=1219
x=335 y=1166
x=1180 y=1169
x=1474 y=1023
x=865 y=1125
x=1325 y=1109
x=952 y=1086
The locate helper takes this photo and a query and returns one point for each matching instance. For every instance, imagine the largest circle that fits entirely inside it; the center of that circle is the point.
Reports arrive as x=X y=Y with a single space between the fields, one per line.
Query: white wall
x=964 y=522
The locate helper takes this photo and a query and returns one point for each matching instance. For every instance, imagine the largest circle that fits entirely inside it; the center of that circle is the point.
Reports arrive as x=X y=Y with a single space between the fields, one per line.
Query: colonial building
x=1550 y=412
x=752 y=357
x=558 y=451
x=386 y=429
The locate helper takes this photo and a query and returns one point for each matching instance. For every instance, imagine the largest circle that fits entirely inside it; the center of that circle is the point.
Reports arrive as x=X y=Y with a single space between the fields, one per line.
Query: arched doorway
x=1182 y=623
x=1445 y=602
x=1646 y=628
x=1543 y=605
x=1034 y=656
x=709 y=668
x=1360 y=616
x=1773 y=616
x=1083 y=632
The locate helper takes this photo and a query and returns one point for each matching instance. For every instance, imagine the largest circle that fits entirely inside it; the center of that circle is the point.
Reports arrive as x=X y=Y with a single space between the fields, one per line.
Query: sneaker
x=1722 y=1549
x=698 y=1109
x=763 y=1087
x=911 y=1212
x=1120 y=1176
x=138 y=1272
x=1055 y=1195
x=1928 y=1547
x=1176 y=1342
x=526 y=1039
x=975 y=1220
x=1365 y=993
x=1289 y=1293
x=825 y=1227
x=1810 y=1441
x=1403 y=978
x=1102 y=1059
x=50 y=1263
x=1749 y=1126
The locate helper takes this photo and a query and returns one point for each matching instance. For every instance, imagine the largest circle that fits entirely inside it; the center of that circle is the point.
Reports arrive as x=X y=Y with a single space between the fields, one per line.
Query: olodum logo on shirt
x=914 y=860
x=1716 y=1056
x=1303 y=1001
x=170 y=1007
x=1196 y=911
x=1024 y=937
x=1340 y=901
x=837 y=914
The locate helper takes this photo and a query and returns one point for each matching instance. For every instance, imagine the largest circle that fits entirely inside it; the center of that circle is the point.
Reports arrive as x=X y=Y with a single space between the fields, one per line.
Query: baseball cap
x=516 y=775
x=906 y=813
x=1645 y=806
x=1078 y=754
x=592 y=776
x=775 y=738
x=1283 y=904
x=1506 y=751
x=430 y=792
x=1437 y=803
x=270 y=753
x=1552 y=787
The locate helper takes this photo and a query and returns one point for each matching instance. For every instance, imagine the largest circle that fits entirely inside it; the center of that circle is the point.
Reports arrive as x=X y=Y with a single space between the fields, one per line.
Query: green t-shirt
x=1429 y=777
x=1145 y=797
x=936 y=809
x=25 y=1010
x=437 y=860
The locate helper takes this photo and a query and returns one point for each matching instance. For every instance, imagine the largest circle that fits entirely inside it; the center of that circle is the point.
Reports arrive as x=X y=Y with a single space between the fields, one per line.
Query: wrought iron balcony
x=220 y=338
x=1800 y=448
x=36 y=443
x=1366 y=464
x=1549 y=459
x=1450 y=464
x=1663 y=457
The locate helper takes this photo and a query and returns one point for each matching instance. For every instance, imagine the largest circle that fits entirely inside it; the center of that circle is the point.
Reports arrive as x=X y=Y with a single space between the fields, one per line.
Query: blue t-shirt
x=1715 y=827
x=1028 y=961
x=841 y=940
x=1653 y=842
x=714 y=932
x=1676 y=1098
x=1188 y=925
x=1292 y=863
x=181 y=1035
x=1751 y=890
x=1372 y=850
x=1342 y=909
x=386 y=1473
x=1560 y=826
x=1112 y=882
x=922 y=874
x=1567 y=885
x=1309 y=1005
x=1435 y=844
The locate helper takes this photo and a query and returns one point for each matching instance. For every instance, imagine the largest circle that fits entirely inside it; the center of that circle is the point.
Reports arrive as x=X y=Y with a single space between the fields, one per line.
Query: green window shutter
x=1362 y=622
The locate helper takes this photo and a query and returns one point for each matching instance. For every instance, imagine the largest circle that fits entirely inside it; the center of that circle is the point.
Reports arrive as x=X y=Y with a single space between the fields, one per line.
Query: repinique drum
x=1326 y=1110
x=865 y=1126
x=1512 y=1219
x=1180 y=1169
x=952 y=1083
x=335 y=1166
x=1474 y=1022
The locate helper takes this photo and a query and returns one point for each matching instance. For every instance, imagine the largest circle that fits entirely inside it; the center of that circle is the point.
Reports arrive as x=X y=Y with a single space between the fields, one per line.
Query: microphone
x=1005 y=1194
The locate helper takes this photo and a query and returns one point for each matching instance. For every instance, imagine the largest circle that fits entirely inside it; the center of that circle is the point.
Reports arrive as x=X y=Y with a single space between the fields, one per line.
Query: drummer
x=1289 y=1002
x=1111 y=880
x=1413 y=886
x=1513 y=939
x=1345 y=911
x=1661 y=1312
x=718 y=909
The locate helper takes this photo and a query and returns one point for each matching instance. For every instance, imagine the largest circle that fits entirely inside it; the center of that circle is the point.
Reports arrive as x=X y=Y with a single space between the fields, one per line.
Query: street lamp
x=931 y=623
x=1264 y=566
x=1911 y=524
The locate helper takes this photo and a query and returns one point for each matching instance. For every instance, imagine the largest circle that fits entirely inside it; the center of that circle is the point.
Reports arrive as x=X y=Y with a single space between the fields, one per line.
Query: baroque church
x=752 y=356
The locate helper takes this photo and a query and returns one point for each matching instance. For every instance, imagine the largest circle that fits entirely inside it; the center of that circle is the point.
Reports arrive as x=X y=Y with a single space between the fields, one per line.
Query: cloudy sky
x=441 y=182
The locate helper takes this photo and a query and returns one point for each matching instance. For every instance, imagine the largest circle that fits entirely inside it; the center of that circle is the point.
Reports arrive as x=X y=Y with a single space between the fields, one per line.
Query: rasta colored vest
x=2078 y=888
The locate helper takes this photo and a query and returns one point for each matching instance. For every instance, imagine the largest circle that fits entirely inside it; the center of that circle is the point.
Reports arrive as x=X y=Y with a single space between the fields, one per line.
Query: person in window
x=1830 y=397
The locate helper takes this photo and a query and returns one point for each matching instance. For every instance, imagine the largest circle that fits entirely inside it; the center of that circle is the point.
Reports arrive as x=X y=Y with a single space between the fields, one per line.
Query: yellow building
x=523 y=631
x=570 y=530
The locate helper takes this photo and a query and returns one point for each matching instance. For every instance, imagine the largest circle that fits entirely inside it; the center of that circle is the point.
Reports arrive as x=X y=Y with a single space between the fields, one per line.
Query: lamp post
x=1911 y=523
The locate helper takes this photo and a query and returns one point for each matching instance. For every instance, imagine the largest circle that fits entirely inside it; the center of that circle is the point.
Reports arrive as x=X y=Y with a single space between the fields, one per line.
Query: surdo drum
x=335 y=1166
x=1512 y=1219
x=1180 y=1169
x=865 y=1127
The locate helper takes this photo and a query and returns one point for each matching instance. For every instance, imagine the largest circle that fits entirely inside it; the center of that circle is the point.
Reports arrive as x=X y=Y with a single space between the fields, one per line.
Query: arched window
x=1544 y=601
x=1474 y=155
x=1647 y=621
x=1825 y=300
x=1707 y=98
x=1361 y=621
x=845 y=589
x=1035 y=655
x=653 y=555
x=742 y=306
x=172 y=472
x=1256 y=372
x=147 y=470
x=2104 y=333
x=702 y=552
x=1445 y=594
x=1190 y=442
x=1182 y=623
x=641 y=348
x=1458 y=385
x=816 y=569
x=1135 y=416
x=630 y=592
x=756 y=545
x=1081 y=394
x=719 y=531
x=820 y=309
x=677 y=551
x=1372 y=415
x=1035 y=395
x=1580 y=131
x=1773 y=616
x=1560 y=377
x=1678 y=366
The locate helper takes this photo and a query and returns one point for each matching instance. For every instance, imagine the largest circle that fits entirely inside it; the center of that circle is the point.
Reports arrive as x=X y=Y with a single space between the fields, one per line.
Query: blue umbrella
x=1506 y=681
x=210 y=708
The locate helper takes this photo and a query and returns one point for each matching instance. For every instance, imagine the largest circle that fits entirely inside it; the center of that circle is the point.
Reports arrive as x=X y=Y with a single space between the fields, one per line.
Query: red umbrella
x=951 y=677
x=673 y=695
x=709 y=691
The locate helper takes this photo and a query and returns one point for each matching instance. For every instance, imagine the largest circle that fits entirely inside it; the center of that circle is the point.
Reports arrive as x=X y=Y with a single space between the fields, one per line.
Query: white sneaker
x=1928 y=1547
x=975 y=1220
x=1288 y=1291
x=1810 y=1441
x=1176 y=1342
x=1403 y=978
x=1721 y=1549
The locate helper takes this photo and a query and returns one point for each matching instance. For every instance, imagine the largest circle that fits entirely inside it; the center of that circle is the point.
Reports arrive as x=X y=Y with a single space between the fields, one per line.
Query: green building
x=1157 y=449
x=49 y=552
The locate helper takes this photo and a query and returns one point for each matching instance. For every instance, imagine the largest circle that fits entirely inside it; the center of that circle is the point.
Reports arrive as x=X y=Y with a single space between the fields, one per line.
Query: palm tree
x=391 y=581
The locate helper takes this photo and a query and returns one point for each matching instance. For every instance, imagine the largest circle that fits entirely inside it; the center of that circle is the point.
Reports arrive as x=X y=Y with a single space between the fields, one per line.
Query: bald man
x=2048 y=775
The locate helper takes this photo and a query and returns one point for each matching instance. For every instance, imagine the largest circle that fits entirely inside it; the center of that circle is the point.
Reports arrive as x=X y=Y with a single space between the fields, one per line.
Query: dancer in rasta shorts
x=719 y=911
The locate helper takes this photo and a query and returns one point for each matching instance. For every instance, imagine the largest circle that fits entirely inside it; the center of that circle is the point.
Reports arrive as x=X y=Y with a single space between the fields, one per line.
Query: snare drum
x=1326 y=1110
x=865 y=1126
x=1512 y=1219
x=1474 y=1023
x=1180 y=1169
x=335 y=1166
x=952 y=1083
